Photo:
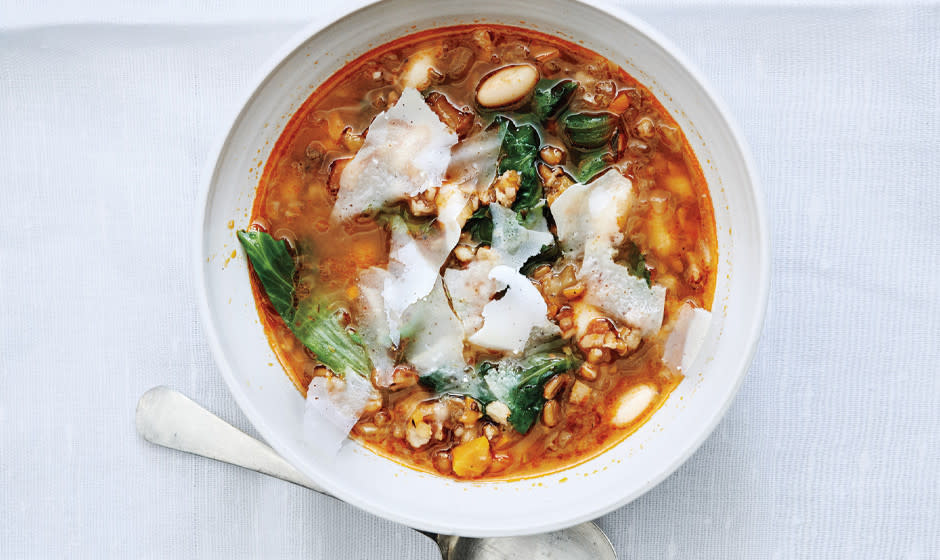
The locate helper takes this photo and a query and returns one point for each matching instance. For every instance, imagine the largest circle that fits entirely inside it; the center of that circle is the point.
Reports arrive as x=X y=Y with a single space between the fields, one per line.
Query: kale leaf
x=551 y=97
x=480 y=225
x=274 y=265
x=519 y=152
x=311 y=322
x=418 y=226
x=466 y=384
x=319 y=329
x=592 y=163
x=517 y=385
x=520 y=386
x=548 y=255
x=586 y=131
x=633 y=258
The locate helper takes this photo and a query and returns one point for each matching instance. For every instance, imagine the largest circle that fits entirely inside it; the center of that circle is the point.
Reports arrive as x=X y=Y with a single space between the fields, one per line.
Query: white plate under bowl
x=429 y=502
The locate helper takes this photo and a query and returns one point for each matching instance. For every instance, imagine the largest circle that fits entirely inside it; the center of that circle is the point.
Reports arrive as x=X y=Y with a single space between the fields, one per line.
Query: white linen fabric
x=107 y=112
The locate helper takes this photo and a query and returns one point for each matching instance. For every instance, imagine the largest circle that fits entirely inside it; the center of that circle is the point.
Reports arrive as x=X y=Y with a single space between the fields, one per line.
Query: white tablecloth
x=831 y=449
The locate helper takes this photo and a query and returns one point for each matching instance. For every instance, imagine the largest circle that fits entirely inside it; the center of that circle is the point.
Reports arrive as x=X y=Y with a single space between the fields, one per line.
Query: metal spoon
x=169 y=418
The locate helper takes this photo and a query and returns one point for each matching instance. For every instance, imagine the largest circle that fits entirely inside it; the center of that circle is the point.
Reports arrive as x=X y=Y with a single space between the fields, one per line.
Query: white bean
x=417 y=70
x=507 y=85
x=633 y=403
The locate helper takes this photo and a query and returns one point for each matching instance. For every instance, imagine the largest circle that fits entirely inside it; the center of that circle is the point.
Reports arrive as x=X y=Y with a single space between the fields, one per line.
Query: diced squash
x=472 y=458
x=657 y=233
x=678 y=183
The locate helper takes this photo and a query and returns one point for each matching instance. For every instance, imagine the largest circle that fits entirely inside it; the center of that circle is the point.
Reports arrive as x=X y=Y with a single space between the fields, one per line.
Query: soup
x=483 y=252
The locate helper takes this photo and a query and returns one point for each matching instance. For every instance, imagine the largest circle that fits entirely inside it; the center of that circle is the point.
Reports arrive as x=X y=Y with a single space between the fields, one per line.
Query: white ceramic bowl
x=437 y=504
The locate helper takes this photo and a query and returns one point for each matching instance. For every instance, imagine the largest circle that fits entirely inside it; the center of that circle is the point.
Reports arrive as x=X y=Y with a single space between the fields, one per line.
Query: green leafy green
x=592 y=163
x=519 y=152
x=633 y=258
x=551 y=97
x=274 y=265
x=588 y=130
x=520 y=386
x=480 y=225
x=418 y=226
x=312 y=323
x=319 y=329
x=548 y=255
x=462 y=384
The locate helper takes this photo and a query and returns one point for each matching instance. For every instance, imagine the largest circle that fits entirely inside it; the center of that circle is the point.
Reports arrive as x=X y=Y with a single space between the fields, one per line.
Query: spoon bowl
x=585 y=540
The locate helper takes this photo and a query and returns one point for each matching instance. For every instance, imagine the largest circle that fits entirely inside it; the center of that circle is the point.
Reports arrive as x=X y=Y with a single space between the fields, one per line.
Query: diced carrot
x=620 y=103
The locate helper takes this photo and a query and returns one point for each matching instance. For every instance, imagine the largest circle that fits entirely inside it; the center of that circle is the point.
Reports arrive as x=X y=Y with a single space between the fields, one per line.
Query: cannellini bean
x=633 y=403
x=418 y=67
x=507 y=85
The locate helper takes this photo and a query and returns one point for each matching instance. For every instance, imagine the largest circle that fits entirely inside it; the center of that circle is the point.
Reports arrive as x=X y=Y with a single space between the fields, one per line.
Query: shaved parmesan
x=406 y=152
x=435 y=333
x=415 y=264
x=686 y=338
x=509 y=322
x=450 y=218
x=373 y=323
x=612 y=288
x=593 y=215
x=589 y=220
x=411 y=277
x=473 y=161
x=470 y=290
x=514 y=242
x=333 y=407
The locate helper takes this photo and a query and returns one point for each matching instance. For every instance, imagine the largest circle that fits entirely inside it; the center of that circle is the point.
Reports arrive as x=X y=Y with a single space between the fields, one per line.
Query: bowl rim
x=278 y=441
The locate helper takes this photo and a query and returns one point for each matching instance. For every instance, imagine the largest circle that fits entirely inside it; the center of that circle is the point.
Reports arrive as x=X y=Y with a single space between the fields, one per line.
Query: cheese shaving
x=509 y=322
x=514 y=242
x=406 y=152
x=435 y=333
x=686 y=339
x=333 y=407
x=589 y=220
x=592 y=215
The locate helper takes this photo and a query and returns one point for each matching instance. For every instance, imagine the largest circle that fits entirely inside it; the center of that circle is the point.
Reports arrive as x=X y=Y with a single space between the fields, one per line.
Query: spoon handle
x=168 y=418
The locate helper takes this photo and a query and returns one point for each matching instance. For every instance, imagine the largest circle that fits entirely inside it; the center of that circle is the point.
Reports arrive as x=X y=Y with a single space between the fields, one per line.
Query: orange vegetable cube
x=472 y=458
